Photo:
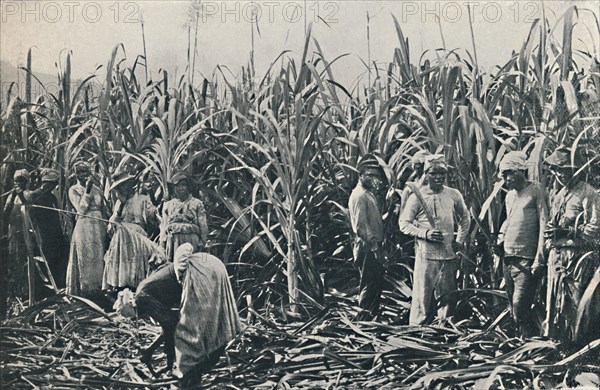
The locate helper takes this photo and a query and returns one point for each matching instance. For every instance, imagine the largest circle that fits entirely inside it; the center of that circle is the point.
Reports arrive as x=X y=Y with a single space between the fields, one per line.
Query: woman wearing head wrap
x=208 y=316
x=197 y=284
x=126 y=260
x=572 y=234
x=16 y=264
x=521 y=240
x=47 y=221
x=86 y=257
x=183 y=219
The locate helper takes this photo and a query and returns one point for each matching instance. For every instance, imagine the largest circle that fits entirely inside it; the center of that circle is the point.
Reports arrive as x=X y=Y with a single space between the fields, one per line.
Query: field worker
x=16 y=262
x=53 y=244
x=429 y=216
x=183 y=218
x=208 y=316
x=417 y=163
x=126 y=261
x=198 y=285
x=572 y=236
x=521 y=239
x=88 y=242
x=158 y=296
x=367 y=225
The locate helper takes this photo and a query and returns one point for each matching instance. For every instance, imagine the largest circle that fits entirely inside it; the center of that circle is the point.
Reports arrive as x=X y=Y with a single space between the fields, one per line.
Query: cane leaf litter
x=69 y=342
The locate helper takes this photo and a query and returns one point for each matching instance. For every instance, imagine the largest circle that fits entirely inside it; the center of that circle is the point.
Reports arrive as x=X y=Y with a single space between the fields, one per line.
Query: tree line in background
x=275 y=155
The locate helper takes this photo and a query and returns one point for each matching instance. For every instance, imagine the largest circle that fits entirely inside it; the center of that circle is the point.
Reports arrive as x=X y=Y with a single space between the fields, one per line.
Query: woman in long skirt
x=126 y=261
x=16 y=262
x=198 y=285
x=208 y=315
x=86 y=257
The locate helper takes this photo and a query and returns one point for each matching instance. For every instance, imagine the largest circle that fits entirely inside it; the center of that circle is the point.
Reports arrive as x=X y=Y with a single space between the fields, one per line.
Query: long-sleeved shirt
x=445 y=207
x=162 y=284
x=527 y=213
x=365 y=215
x=138 y=209
x=579 y=208
x=83 y=202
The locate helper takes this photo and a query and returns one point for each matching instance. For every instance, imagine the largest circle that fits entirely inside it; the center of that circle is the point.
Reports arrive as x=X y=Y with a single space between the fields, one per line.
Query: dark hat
x=121 y=178
x=561 y=157
x=178 y=177
x=368 y=161
x=81 y=166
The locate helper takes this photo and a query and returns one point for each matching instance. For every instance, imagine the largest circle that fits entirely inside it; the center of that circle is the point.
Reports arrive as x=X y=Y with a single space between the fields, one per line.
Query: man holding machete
x=429 y=216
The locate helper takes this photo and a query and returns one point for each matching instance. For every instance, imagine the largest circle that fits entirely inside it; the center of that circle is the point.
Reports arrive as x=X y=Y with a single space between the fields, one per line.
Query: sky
x=91 y=29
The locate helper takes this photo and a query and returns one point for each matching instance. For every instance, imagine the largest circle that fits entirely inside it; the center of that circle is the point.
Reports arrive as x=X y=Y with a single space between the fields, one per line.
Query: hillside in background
x=10 y=75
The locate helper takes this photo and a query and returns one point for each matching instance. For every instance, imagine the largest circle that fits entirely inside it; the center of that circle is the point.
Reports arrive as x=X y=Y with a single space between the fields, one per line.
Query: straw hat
x=50 y=175
x=561 y=157
x=120 y=179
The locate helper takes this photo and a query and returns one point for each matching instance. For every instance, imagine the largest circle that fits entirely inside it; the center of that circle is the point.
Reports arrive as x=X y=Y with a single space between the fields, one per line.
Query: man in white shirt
x=429 y=216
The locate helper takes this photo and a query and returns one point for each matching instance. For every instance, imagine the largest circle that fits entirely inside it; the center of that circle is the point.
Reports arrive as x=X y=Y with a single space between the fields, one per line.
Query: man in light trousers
x=430 y=216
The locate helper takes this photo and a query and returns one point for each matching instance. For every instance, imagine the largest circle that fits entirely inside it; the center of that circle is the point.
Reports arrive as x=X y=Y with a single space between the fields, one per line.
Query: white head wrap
x=435 y=160
x=181 y=258
x=419 y=157
x=513 y=161
x=21 y=173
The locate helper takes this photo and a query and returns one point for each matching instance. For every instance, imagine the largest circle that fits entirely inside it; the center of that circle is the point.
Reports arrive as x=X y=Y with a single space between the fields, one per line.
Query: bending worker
x=195 y=337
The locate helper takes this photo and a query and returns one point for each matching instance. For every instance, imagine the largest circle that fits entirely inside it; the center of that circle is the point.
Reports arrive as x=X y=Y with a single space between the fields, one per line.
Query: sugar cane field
x=296 y=212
